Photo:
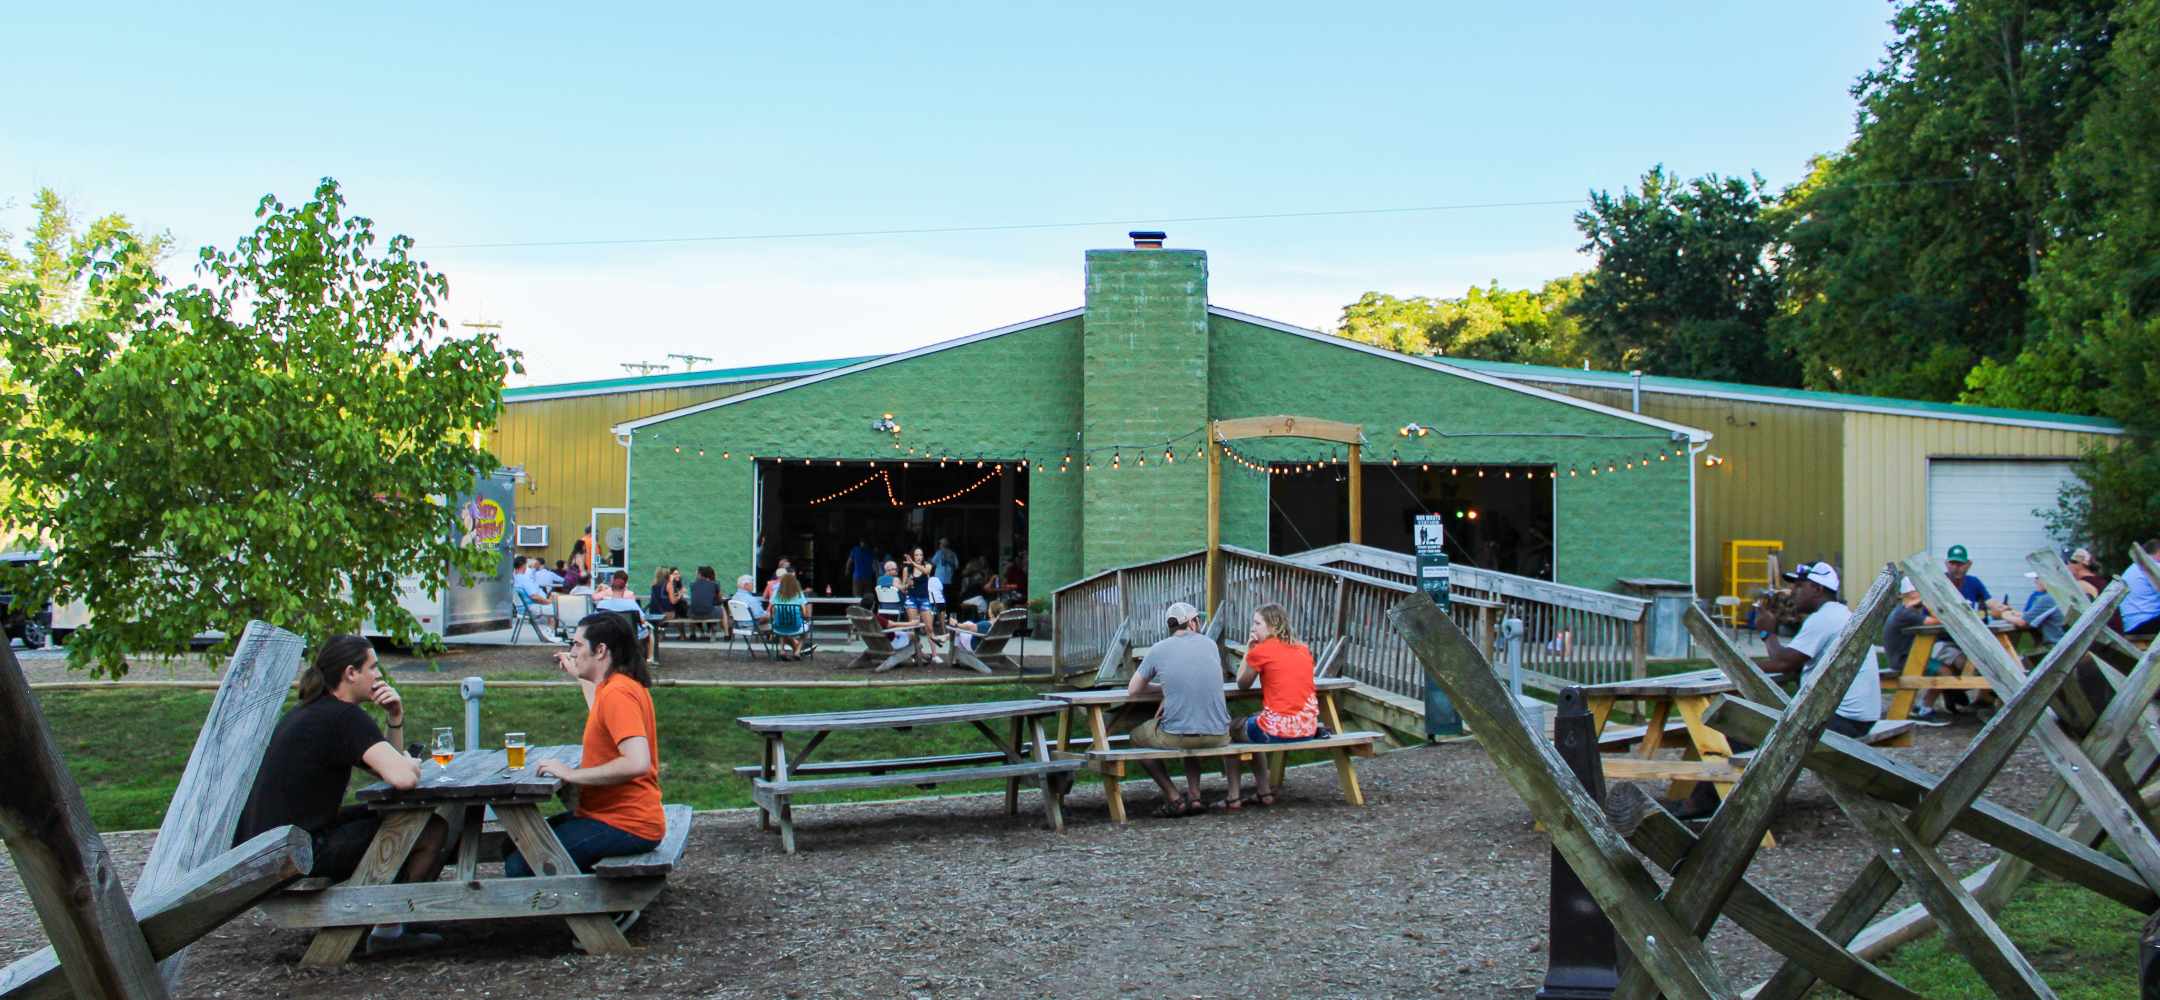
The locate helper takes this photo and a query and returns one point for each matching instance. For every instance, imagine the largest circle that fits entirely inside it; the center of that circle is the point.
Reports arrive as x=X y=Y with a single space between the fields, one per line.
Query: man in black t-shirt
x=310 y=761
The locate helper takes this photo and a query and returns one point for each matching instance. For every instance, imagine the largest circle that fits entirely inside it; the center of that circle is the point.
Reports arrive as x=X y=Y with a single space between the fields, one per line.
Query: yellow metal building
x=1856 y=480
x=574 y=468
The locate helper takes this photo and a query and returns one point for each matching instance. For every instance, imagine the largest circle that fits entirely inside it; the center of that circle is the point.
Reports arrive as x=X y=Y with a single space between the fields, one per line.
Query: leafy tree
x=1911 y=250
x=1685 y=284
x=2095 y=346
x=1523 y=326
x=274 y=443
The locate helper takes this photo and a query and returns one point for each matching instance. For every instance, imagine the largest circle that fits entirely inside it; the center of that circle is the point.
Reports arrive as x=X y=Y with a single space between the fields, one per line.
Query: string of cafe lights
x=885 y=476
x=1169 y=449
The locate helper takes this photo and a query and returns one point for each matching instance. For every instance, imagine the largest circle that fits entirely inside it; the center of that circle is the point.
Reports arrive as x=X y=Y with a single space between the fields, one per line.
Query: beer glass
x=514 y=745
x=445 y=746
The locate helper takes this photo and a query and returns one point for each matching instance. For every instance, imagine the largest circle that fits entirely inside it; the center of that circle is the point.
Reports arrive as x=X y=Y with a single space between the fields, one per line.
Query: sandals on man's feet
x=1232 y=802
x=1263 y=799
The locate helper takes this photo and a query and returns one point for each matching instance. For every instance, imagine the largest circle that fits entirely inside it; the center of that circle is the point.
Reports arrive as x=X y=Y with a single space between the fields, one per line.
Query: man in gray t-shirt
x=1186 y=667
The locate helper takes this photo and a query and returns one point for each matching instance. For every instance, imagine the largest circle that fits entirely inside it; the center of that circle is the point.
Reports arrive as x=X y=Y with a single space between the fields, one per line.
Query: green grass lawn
x=127 y=748
x=2082 y=943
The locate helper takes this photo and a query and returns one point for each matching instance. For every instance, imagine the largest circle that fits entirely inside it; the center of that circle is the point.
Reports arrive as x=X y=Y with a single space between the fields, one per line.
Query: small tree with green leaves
x=281 y=441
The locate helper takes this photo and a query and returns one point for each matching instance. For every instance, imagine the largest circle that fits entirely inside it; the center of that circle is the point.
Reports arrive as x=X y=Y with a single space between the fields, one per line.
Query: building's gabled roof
x=1793 y=397
x=1693 y=434
x=677 y=380
x=847 y=369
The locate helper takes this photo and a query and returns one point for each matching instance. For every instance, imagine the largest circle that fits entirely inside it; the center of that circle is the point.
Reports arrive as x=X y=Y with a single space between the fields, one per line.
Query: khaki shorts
x=1150 y=736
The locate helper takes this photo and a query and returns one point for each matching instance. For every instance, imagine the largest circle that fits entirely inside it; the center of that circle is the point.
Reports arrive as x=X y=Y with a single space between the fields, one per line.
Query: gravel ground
x=1436 y=888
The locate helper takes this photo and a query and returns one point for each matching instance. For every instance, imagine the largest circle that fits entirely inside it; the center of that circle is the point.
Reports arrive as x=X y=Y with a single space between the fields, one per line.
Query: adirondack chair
x=990 y=646
x=193 y=881
x=877 y=645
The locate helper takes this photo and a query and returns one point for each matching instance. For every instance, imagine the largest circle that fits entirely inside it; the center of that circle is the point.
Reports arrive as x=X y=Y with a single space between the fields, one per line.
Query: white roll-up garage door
x=1991 y=506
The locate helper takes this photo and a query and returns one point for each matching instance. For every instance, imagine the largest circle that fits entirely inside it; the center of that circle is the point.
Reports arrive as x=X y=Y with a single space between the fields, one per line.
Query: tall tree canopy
x=1523 y=326
x=1910 y=251
x=274 y=443
x=1685 y=284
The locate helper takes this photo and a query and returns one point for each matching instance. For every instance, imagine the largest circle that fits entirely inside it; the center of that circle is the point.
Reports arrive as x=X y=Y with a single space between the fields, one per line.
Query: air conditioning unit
x=532 y=536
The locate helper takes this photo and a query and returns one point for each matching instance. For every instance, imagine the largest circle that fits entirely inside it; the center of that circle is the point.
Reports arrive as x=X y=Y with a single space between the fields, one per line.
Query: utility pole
x=643 y=367
x=689 y=361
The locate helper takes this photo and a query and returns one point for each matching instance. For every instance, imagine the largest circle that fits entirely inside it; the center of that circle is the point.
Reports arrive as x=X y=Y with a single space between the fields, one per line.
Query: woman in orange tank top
x=1289 y=707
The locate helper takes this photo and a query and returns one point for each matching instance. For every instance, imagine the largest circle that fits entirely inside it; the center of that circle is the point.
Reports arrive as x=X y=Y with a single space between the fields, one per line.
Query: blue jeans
x=589 y=841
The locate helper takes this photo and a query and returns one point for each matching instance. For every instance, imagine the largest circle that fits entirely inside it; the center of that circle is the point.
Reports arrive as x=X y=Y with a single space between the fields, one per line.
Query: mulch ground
x=1436 y=888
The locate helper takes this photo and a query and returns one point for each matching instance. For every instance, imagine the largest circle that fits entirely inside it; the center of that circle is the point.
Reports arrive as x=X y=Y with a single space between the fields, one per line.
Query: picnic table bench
x=1023 y=758
x=1119 y=706
x=1709 y=756
x=1912 y=678
x=473 y=782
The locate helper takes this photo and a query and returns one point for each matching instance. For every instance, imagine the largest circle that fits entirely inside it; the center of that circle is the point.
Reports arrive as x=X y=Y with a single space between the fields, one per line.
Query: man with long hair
x=310 y=760
x=618 y=781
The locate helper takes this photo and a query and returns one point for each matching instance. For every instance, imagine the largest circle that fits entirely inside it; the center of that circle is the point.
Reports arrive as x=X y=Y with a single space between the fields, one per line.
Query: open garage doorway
x=814 y=513
x=1498 y=517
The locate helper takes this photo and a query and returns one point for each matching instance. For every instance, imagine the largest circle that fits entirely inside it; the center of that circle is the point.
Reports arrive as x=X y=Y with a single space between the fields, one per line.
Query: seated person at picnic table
x=1815 y=587
x=704 y=593
x=310 y=760
x=1289 y=707
x=618 y=780
x=746 y=595
x=790 y=594
x=1897 y=643
x=1186 y=668
x=666 y=582
x=549 y=580
x=2141 y=607
x=772 y=586
x=616 y=588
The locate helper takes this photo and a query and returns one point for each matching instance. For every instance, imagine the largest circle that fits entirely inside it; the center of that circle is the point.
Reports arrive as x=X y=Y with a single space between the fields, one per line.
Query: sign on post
x=1430 y=537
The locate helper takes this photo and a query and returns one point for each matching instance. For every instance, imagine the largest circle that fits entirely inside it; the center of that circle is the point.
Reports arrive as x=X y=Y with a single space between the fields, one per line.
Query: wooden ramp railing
x=1338 y=597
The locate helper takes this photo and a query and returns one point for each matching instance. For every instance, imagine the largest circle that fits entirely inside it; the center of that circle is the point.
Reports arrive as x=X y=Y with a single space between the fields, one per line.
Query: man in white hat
x=1815 y=587
x=1186 y=668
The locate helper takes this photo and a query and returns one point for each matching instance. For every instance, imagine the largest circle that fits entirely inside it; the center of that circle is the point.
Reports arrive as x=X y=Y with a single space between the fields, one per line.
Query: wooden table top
x=1998 y=627
x=1117 y=696
x=476 y=778
x=1692 y=684
x=894 y=718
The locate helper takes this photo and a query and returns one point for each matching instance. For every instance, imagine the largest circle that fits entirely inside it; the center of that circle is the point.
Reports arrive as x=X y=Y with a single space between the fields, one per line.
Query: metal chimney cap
x=1146 y=240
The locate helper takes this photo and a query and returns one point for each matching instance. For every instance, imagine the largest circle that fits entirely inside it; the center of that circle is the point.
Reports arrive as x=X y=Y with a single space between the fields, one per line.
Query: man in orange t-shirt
x=1289 y=706
x=618 y=802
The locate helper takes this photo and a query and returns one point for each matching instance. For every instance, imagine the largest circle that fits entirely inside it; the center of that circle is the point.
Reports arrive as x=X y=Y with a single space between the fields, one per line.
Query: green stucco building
x=1077 y=439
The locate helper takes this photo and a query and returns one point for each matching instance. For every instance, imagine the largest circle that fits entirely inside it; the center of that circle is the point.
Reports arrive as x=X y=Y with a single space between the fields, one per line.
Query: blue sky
x=475 y=123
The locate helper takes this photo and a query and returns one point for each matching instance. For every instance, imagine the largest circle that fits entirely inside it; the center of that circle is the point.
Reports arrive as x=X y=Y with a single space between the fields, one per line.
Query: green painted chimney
x=1145 y=364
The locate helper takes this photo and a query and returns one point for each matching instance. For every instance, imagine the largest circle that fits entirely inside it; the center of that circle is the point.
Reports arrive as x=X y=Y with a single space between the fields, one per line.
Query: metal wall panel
x=1781 y=478
x=1886 y=474
x=572 y=461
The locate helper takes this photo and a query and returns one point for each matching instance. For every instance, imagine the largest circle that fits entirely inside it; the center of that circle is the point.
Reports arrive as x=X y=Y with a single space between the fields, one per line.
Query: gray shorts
x=1149 y=735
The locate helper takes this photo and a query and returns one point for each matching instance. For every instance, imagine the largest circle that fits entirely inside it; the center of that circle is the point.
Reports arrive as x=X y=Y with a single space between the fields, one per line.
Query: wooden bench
x=1110 y=764
x=1022 y=756
x=1616 y=740
x=658 y=861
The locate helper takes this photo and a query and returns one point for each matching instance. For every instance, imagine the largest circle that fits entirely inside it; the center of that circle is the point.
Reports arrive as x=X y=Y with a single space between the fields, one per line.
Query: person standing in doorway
x=946 y=562
x=863 y=566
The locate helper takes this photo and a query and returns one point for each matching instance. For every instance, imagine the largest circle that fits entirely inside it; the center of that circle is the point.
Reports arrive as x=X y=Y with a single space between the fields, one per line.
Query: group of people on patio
x=614 y=790
x=1185 y=667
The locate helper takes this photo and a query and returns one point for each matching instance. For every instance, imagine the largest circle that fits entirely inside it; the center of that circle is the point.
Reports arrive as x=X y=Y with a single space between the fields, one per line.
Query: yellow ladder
x=1746 y=563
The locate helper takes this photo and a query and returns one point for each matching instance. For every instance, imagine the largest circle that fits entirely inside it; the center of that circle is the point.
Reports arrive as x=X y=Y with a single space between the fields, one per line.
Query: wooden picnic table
x=1119 y=706
x=1913 y=679
x=1024 y=757
x=1709 y=755
x=836 y=617
x=474 y=781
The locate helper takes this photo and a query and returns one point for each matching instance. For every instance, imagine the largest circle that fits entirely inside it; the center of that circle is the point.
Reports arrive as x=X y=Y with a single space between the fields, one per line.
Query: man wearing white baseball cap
x=1186 y=667
x=1815 y=587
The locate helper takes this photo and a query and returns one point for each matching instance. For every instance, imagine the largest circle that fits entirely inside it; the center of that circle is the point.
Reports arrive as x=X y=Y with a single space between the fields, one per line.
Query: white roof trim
x=946 y=345
x=1694 y=434
x=621 y=389
x=1745 y=397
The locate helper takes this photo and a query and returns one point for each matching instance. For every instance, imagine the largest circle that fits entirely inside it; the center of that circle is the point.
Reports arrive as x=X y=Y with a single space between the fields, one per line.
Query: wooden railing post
x=1641 y=667
x=62 y=861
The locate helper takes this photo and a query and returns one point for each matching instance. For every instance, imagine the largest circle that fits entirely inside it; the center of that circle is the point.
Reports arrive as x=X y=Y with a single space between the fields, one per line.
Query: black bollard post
x=1582 y=956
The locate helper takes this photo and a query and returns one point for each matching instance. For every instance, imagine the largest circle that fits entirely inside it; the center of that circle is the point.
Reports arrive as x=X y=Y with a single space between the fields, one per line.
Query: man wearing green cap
x=1958 y=565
